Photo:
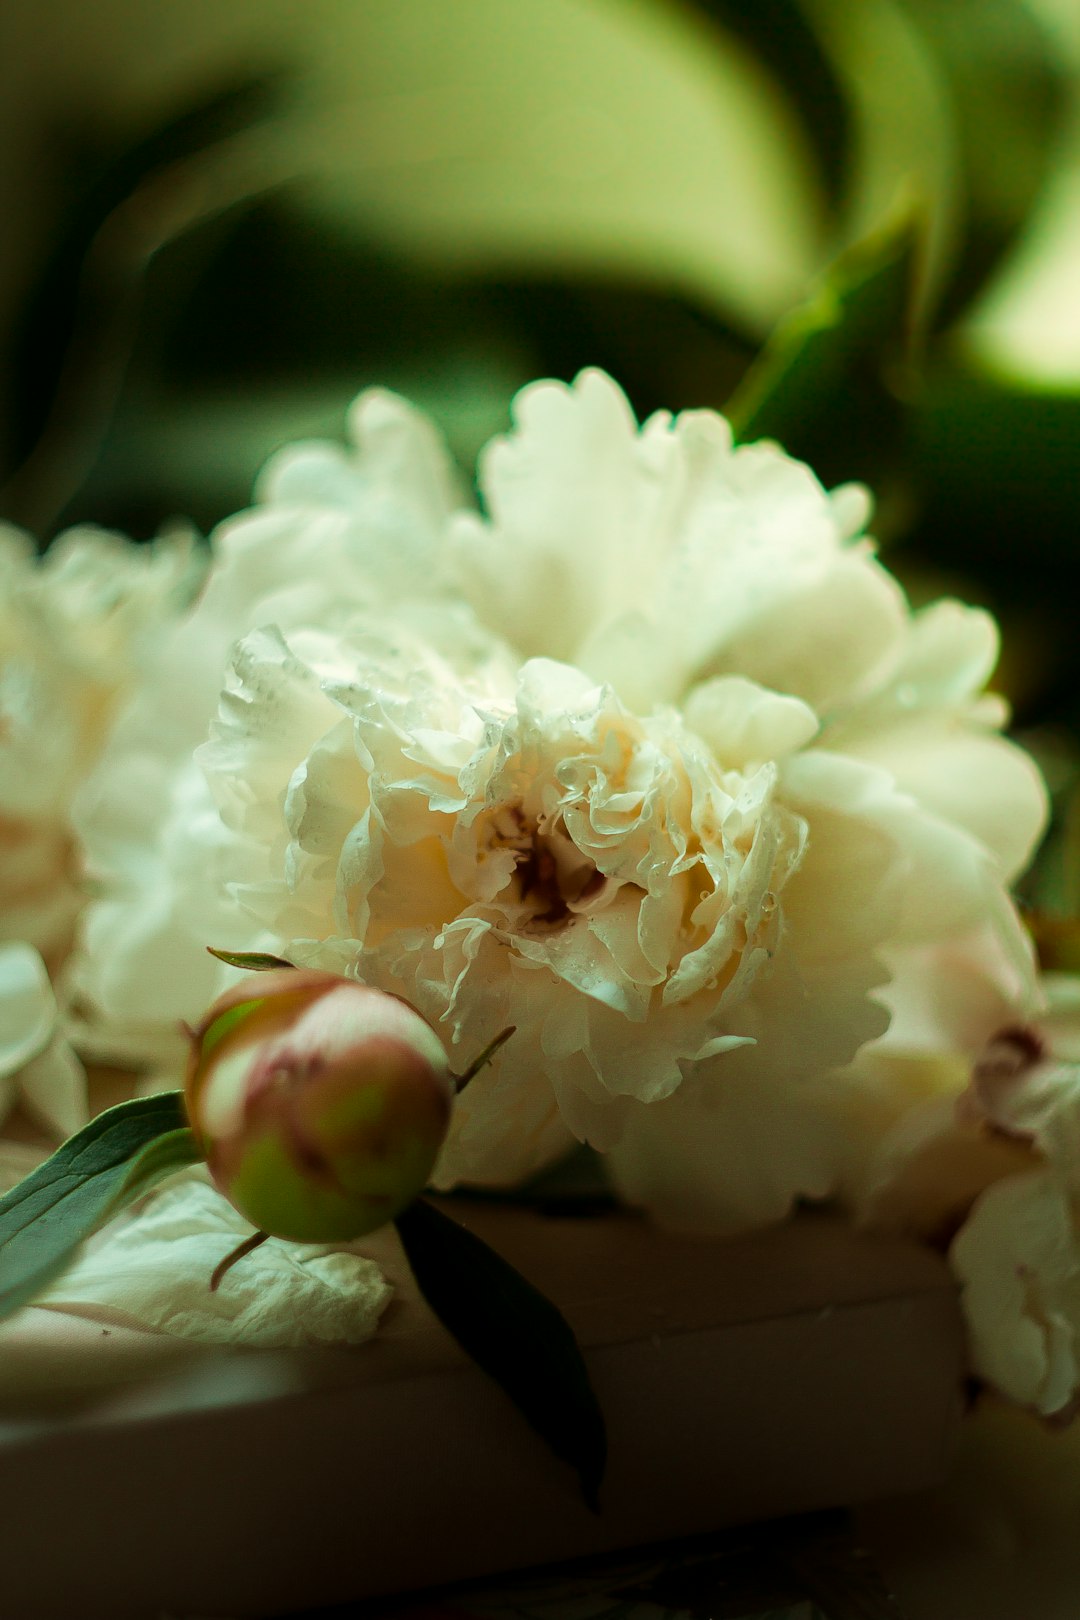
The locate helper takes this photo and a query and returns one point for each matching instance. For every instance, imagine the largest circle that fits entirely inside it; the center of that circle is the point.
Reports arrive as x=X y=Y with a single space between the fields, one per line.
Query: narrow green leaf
x=513 y=1333
x=856 y=321
x=114 y=1159
x=250 y=961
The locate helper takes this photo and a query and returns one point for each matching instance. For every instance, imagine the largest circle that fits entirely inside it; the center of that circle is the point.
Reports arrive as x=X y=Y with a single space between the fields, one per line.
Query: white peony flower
x=649 y=759
x=74 y=626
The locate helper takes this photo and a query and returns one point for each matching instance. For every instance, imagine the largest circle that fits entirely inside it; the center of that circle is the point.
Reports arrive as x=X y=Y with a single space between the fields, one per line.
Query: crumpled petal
x=152 y=1270
x=1020 y=1089
x=400 y=474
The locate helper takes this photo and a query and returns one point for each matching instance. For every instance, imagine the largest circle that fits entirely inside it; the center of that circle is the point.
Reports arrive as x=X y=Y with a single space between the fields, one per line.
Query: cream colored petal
x=971 y=779
x=272 y=711
x=950 y=883
x=807 y=1016
x=399 y=458
x=848 y=893
x=722 y=1156
x=745 y=572
x=744 y=723
x=851 y=506
x=924 y=1173
x=951 y=653
x=827 y=641
x=566 y=493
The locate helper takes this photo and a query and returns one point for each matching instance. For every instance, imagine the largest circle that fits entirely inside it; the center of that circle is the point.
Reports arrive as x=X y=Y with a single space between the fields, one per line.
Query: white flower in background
x=1017 y=1254
x=650 y=759
x=37 y=1066
x=74 y=625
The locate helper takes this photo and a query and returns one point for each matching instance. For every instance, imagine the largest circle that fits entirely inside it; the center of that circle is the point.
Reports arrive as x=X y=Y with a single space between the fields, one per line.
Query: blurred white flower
x=650 y=759
x=985 y=1158
x=37 y=1066
x=74 y=626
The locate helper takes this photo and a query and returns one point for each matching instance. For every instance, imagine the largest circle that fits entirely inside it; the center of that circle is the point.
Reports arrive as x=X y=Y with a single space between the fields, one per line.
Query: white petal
x=272 y=710
x=827 y=640
x=399 y=455
x=951 y=653
x=724 y=1156
x=745 y=723
x=567 y=493
x=27 y=1006
x=950 y=882
x=952 y=995
x=152 y=1270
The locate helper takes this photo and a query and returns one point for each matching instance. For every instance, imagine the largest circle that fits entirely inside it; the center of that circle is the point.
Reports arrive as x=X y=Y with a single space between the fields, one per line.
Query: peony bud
x=319 y=1103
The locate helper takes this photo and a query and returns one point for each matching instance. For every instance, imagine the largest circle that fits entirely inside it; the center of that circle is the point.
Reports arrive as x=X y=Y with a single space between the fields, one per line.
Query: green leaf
x=855 y=323
x=114 y=1159
x=250 y=961
x=1010 y=87
x=513 y=1333
x=788 y=45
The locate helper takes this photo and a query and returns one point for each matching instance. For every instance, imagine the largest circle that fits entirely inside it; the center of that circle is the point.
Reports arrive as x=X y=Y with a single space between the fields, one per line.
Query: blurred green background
x=224 y=217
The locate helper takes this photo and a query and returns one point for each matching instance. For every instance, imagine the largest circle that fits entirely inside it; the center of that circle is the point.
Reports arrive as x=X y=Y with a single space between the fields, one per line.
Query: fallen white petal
x=152 y=1269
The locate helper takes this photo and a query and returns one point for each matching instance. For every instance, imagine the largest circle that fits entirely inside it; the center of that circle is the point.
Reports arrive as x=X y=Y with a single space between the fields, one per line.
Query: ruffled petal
x=400 y=471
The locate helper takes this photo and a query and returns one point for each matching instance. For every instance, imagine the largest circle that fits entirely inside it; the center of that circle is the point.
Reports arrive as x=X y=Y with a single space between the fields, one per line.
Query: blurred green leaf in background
x=222 y=220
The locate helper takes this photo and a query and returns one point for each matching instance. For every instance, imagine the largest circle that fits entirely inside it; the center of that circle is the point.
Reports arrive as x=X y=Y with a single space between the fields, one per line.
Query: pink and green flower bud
x=319 y=1103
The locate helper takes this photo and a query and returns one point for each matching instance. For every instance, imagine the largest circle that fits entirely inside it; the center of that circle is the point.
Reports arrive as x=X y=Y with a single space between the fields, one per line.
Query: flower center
x=549 y=878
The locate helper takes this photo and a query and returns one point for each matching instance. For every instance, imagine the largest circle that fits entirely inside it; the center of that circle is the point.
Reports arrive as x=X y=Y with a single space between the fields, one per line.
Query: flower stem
x=462 y=1080
x=233 y=1256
